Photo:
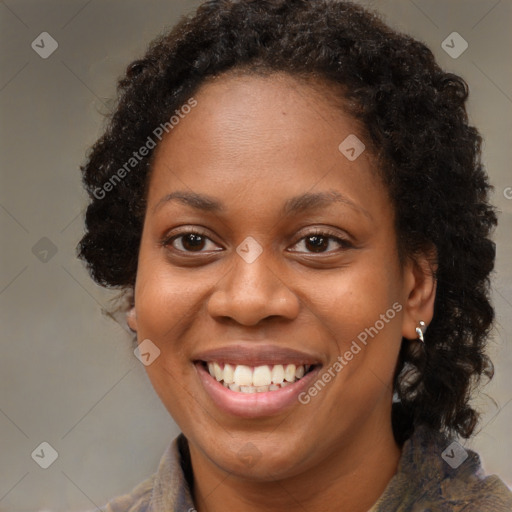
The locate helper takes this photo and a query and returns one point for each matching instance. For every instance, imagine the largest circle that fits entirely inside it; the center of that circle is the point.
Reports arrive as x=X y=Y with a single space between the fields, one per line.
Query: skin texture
x=252 y=143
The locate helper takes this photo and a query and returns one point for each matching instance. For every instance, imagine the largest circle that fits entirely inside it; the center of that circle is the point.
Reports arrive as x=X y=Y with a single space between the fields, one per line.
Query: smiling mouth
x=256 y=379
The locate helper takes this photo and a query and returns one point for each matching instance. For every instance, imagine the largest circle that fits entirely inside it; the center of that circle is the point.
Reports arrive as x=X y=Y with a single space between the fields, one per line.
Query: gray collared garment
x=424 y=482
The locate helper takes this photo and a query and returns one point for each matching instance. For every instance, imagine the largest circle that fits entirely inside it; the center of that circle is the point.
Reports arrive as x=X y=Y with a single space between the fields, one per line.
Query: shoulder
x=439 y=474
x=472 y=491
x=167 y=489
x=137 y=500
x=489 y=495
x=452 y=476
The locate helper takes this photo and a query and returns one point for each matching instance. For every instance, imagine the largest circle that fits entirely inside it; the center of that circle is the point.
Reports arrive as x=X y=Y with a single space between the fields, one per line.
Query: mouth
x=242 y=378
x=253 y=381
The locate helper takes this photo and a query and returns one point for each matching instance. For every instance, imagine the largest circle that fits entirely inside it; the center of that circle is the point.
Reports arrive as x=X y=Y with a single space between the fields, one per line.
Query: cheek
x=346 y=308
x=162 y=303
x=353 y=298
x=167 y=305
x=166 y=298
x=359 y=309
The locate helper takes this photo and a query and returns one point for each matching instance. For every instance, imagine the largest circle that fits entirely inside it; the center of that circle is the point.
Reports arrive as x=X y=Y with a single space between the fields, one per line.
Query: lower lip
x=254 y=405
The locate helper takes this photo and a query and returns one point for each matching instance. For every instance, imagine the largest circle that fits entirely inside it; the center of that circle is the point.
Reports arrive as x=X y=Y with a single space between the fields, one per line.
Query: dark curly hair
x=416 y=123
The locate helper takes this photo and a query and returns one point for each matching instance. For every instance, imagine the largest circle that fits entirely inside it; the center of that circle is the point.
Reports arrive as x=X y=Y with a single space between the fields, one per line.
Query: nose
x=251 y=292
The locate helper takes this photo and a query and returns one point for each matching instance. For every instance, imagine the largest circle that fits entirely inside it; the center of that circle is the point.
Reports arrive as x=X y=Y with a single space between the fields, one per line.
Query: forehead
x=270 y=135
x=266 y=114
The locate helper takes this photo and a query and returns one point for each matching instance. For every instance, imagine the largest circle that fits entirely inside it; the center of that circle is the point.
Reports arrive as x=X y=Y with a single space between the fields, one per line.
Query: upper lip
x=256 y=355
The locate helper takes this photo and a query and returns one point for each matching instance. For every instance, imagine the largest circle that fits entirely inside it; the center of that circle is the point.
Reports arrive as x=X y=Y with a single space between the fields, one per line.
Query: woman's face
x=292 y=260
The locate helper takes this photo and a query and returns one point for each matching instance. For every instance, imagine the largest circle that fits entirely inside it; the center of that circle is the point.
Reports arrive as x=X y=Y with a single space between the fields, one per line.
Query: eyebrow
x=198 y=201
x=294 y=205
x=317 y=200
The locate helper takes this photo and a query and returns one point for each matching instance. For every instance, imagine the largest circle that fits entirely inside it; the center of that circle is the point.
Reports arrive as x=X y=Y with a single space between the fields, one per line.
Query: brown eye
x=317 y=243
x=190 y=242
x=320 y=243
x=193 y=242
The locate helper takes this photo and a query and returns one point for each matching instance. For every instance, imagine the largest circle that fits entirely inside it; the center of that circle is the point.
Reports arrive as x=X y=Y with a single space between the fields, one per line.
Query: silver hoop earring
x=420 y=331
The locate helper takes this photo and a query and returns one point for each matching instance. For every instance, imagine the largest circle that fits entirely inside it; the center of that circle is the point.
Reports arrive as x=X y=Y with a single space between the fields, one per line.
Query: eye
x=191 y=241
x=321 y=242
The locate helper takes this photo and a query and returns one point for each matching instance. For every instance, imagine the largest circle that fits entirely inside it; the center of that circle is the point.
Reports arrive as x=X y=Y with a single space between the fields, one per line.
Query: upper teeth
x=237 y=377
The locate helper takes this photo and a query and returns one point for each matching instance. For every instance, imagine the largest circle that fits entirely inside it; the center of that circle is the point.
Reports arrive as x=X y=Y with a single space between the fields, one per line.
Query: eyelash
x=325 y=233
x=169 y=240
x=329 y=235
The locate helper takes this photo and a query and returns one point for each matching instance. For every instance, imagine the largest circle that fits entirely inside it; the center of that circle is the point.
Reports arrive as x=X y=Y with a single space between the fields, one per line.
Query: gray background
x=68 y=375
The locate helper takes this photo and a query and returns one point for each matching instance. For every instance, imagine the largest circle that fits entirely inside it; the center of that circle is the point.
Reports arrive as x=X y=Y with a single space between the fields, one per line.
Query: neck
x=351 y=478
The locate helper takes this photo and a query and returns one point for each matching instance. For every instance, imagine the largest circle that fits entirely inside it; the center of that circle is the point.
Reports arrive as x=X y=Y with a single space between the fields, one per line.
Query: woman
x=291 y=197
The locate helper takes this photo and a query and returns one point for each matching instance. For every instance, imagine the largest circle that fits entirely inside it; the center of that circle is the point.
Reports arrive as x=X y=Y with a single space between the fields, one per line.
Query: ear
x=131 y=319
x=419 y=292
